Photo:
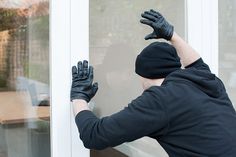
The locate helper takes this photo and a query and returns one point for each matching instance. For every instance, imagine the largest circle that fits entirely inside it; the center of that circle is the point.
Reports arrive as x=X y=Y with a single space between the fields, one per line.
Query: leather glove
x=82 y=82
x=162 y=29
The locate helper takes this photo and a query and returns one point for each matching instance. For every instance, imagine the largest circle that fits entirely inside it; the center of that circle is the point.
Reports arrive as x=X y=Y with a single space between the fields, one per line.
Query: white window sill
x=144 y=147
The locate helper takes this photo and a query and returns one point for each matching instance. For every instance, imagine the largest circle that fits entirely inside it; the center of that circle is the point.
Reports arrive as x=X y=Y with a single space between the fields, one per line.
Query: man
x=186 y=110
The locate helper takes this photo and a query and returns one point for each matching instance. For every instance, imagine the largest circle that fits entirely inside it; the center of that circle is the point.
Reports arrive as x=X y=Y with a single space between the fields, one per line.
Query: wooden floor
x=3 y=154
x=109 y=152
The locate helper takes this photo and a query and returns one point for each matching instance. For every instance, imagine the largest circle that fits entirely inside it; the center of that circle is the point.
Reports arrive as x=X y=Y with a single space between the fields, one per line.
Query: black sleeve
x=143 y=116
x=199 y=64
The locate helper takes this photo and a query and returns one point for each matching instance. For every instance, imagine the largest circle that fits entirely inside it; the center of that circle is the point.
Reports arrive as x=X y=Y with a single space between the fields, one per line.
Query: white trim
x=202 y=24
x=60 y=78
x=143 y=147
x=79 y=51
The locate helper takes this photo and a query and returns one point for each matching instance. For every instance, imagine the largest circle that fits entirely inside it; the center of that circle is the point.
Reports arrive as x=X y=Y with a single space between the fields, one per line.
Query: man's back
x=202 y=120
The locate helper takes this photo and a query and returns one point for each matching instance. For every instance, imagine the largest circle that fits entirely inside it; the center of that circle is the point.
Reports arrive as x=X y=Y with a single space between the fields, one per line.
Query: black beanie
x=157 y=60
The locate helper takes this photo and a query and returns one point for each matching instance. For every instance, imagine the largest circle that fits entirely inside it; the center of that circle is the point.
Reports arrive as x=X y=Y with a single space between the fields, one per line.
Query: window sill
x=144 y=147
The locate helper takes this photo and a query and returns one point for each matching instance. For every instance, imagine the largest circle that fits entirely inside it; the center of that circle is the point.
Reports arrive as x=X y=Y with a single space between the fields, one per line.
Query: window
x=116 y=38
x=24 y=79
x=227 y=39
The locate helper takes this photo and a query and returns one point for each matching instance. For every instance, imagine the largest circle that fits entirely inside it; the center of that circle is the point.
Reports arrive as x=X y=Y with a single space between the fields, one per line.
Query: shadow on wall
x=115 y=76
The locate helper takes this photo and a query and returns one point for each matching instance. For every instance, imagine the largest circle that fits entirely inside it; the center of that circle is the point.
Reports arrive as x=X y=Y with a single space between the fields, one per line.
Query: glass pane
x=227 y=46
x=24 y=78
x=116 y=38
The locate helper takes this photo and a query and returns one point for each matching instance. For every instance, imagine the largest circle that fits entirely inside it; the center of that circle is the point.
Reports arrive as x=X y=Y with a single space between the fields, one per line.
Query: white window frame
x=60 y=78
x=68 y=44
x=202 y=30
x=69 y=40
x=79 y=51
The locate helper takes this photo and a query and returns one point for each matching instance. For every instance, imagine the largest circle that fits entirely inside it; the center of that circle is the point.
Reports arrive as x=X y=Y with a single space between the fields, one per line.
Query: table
x=15 y=108
x=18 y=136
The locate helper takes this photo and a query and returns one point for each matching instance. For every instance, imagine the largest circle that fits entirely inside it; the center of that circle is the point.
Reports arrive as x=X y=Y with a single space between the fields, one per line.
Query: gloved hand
x=82 y=82
x=162 y=29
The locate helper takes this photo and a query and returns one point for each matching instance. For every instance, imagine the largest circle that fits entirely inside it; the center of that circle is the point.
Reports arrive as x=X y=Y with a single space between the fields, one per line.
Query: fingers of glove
x=152 y=14
x=150 y=36
x=85 y=68
x=80 y=69
x=149 y=17
x=146 y=22
x=90 y=72
x=157 y=14
x=95 y=87
x=74 y=71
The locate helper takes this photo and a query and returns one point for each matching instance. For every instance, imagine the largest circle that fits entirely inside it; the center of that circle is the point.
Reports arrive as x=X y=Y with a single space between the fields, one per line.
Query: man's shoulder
x=199 y=64
x=150 y=99
x=158 y=92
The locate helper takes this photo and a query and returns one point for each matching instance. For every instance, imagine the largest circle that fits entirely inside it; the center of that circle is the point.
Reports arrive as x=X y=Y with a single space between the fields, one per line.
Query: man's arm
x=79 y=105
x=162 y=29
x=82 y=89
x=142 y=117
x=186 y=53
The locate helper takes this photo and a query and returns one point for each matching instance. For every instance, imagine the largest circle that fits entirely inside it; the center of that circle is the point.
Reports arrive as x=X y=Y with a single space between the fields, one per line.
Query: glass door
x=227 y=39
x=37 y=38
x=24 y=78
x=116 y=38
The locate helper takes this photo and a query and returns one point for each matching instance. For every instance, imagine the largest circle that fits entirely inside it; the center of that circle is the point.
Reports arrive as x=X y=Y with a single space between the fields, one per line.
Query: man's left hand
x=82 y=82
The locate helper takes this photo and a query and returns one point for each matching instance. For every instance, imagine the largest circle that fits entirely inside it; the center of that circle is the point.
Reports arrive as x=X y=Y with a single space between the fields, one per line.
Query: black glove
x=162 y=29
x=82 y=82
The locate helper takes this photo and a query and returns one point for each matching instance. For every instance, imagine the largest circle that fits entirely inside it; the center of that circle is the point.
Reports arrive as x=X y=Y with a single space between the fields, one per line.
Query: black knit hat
x=157 y=60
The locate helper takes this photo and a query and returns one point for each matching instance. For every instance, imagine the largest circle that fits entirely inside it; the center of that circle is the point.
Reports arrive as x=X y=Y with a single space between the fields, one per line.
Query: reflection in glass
x=227 y=47
x=116 y=37
x=24 y=78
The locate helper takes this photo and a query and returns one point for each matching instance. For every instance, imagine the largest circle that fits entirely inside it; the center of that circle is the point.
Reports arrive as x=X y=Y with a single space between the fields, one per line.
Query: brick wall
x=4 y=35
x=13 y=56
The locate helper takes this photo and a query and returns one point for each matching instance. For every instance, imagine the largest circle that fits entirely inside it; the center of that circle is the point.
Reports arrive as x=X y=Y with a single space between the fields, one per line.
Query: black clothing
x=161 y=57
x=190 y=115
x=161 y=28
x=82 y=82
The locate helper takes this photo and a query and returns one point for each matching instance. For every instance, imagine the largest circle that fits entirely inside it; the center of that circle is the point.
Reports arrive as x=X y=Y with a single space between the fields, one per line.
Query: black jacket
x=190 y=115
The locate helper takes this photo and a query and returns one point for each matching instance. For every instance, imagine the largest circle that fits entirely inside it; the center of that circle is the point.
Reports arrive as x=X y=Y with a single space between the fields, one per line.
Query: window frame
x=202 y=30
x=68 y=27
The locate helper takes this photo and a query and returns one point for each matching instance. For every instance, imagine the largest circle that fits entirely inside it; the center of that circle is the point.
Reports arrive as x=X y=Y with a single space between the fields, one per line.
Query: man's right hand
x=162 y=29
